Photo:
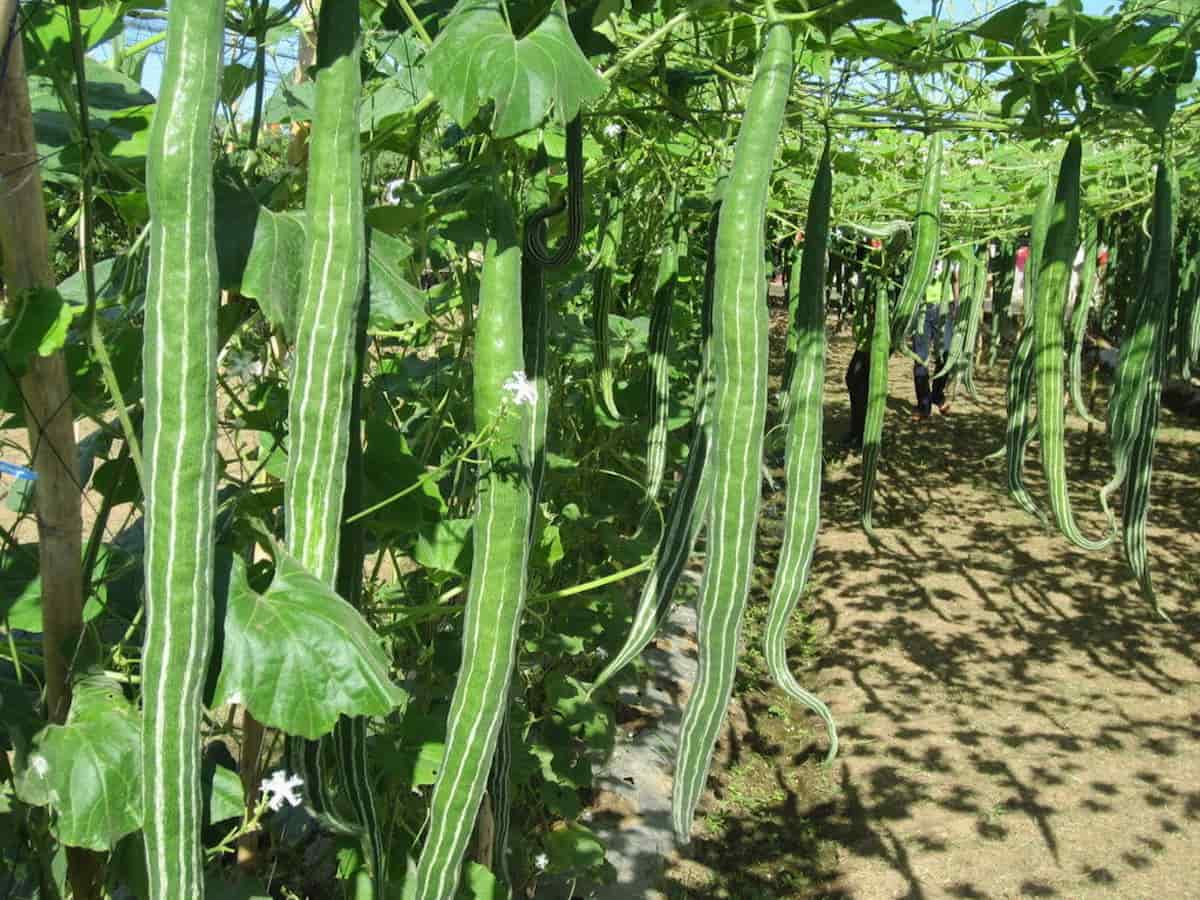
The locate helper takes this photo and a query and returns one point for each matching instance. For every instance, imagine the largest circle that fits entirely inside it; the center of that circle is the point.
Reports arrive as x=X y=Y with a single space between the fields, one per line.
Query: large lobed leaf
x=476 y=60
x=299 y=655
x=88 y=770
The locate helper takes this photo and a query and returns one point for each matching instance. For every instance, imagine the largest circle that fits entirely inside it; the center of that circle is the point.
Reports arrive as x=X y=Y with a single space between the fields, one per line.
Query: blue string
x=19 y=472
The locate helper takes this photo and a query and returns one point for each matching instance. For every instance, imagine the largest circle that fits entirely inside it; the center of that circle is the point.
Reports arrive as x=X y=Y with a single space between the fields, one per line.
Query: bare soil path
x=1015 y=722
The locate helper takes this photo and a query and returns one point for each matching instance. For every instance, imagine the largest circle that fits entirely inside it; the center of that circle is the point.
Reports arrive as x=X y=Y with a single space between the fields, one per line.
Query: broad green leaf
x=476 y=59
x=21 y=587
x=120 y=113
x=88 y=770
x=39 y=325
x=573 y=848
x=394 y=301
x=299 y=655
x=443 y=546
x=272 y=276
x=48 y=27
x=226 y=799
x=481 y=884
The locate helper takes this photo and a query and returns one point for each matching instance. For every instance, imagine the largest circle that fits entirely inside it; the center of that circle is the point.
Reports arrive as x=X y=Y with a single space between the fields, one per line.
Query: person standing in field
x=931 y=341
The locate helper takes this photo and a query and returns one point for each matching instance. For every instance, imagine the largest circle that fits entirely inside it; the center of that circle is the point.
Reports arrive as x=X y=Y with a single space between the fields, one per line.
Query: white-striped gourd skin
x=739 y=359
x=496 y=592
x=1079 y=321
x=1137 y=392
x=659 y=348
x=804 y=457
x=330 y=291
x=1019 y=424
x=975 y=317
x=180 y=361
x=689 y=503
x=602 y=290
x=927 y=232
x=1053 y=286
x=877 y=388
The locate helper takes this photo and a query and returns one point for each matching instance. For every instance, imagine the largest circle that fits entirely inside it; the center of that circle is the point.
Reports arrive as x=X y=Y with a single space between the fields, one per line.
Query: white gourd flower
x=522 y=389
x=280 y=789
x=39 y=764
x=391 y=193
x=613 y=130
x=541 y=861
x=601 y=653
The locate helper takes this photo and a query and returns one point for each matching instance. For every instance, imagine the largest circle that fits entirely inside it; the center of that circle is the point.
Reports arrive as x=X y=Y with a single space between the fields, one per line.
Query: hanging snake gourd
x=689 y=503
x=1053 y=285
x=1137 y=391
x=927 y=231
x=496 y=592
x=739 y=360
x=180 y=368
x=804 y=455
x=658 y=348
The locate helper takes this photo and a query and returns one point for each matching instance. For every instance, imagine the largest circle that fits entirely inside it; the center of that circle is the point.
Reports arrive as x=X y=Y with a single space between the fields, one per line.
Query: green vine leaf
x=88 y=770
x=298 y=656
x=476 y=59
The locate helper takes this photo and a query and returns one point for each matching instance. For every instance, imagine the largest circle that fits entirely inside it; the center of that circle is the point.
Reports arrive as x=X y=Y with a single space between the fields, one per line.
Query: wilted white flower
x=39 y=764
x=541 y=861
x=391 y=193
x=974 y=161
x=522 y=389
x=585 y=816
x=236 y=699
x=613 y=129
x=601 y=653
x=281 y=788
x=243 y=365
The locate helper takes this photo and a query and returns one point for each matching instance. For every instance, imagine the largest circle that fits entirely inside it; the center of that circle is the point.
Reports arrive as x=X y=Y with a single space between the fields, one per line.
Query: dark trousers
x=930 y=394
x=858 y=377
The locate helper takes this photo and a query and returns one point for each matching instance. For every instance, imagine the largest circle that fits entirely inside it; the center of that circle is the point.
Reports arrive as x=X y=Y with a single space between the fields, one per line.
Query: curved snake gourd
x=739 y=360
x=1053 y=285
x=1079 y=321
x=320 y=396
x=180 y=446
x=1019 y=425
x=927 y=231
x=658 y=349
x=602 y=291
x=877 y=387
x=496 y=592
x=804 y=455
x=689 y=503
x=1137 y=391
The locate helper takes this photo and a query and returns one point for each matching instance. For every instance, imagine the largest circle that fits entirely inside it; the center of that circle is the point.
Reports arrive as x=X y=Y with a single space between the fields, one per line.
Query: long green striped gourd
x=1186 y=346
x=602 y=293
x=966 y=320
x=689 y=503
x=496 y=592
x=927 y=230
x=535 y=354
x=1079 y=321
x=739 y=360
x=659 y=348
x=331 y=282
x=804 y=455
x=975 y=317
x=793 y=338
x=1002 y=292
x=1019 y=424
x=1053 y=286
x=350 y=734
x=535 y=234
x=1137 y=391
x=877 y=388
x=180 y=446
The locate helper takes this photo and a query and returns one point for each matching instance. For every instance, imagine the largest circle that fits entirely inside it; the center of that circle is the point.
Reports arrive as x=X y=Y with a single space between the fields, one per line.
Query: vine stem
x=647 y=43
